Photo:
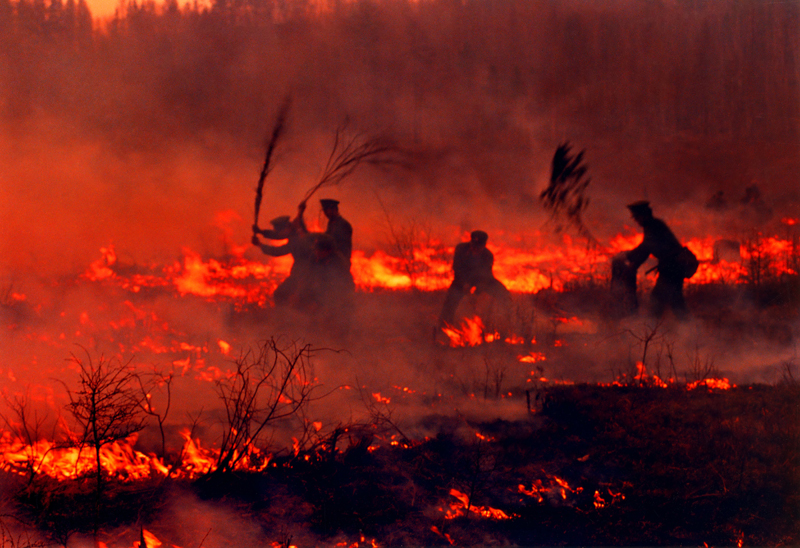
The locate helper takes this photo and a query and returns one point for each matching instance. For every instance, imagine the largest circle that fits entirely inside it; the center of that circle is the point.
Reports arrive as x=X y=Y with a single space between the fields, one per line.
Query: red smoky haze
x=140 y=134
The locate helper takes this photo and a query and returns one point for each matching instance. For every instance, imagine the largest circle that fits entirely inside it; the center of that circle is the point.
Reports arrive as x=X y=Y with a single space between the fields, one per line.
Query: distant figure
x=717 y=202
x=472 y=273
x=295 y=290
x=675 y=262
x=754 y=210
x=338 y=228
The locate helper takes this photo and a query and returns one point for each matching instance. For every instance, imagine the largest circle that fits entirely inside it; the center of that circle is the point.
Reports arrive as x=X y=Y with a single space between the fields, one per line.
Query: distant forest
x=727 y=69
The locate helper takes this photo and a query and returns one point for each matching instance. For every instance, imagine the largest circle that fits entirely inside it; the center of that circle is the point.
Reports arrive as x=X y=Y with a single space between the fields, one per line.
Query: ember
x=552 y=487
x=463 y=508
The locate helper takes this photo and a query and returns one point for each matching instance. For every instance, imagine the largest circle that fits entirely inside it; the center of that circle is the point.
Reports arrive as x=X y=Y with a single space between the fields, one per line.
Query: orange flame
x=150 y=540
x=533 y=357
x=460 y=508
x=470 y=333
x=718 y=384
x=118 y=459
x=555 y=487
x=541 y=265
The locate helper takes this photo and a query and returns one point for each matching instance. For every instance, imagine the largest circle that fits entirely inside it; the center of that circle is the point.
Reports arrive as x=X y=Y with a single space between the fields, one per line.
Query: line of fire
x=374 y=273
x=509 y=370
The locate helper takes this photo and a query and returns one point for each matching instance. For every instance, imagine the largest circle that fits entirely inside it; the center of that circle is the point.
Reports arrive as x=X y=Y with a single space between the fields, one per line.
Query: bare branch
x=26 y=425
x=270 y=384
x=157 y=380
x=106 y=406
x=347 y=154
x=277 y=132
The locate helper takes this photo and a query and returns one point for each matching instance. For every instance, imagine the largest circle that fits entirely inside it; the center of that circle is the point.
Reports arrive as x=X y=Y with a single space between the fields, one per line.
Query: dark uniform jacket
x=471 y=267
x=332 y=283
x=342 y=233
x=660 y=242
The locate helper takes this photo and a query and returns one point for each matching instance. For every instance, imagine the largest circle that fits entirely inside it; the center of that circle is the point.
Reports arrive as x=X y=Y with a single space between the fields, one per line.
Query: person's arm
x=639 y=254
x=273 y=234
x=299 y=222
x=271 y=250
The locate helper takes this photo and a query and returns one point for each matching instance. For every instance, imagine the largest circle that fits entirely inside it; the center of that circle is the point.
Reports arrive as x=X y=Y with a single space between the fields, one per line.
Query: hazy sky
x=103 y=8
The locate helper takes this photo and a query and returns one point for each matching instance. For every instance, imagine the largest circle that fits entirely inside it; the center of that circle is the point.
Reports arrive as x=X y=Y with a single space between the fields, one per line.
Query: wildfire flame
x=117 y=459
x=543 y=266
x=555 y=486
x=470 y=333
x=473 y=333
x=718 y=384
x=462 y=506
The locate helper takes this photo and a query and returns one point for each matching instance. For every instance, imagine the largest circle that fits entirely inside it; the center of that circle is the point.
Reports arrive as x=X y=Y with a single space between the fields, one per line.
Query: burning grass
x=595 y=465
x=614 y=431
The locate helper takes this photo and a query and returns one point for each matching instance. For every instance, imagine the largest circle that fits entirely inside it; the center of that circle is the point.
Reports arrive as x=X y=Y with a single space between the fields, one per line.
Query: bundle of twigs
x=346 y=155
x=565 y=196
x=277 y=132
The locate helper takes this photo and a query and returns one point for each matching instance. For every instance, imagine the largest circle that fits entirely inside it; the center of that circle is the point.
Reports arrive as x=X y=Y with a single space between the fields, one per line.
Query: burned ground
x=599 y=453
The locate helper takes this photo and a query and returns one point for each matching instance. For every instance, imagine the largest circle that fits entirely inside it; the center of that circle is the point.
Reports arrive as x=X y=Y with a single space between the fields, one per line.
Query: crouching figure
x=675 y=263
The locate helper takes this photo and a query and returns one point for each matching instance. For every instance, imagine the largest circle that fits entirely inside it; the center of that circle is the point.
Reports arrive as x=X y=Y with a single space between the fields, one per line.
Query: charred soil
x=595 y=465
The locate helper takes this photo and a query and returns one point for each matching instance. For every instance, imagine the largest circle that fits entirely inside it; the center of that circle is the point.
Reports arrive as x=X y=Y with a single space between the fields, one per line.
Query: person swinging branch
x=675 y=262
x=339 y=229
x=295 y=289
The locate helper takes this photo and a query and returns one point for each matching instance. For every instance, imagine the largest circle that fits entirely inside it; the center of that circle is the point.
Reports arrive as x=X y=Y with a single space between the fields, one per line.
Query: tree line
x=728 y=69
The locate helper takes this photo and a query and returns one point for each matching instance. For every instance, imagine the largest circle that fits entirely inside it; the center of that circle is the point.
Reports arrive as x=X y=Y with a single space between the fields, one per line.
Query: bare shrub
x=495 y=372
x=271 y=383
x=411 y=241
x=381 y=416
x=479 y=462
x=10 y=539
x=26 y=424
x=789 y=377
x=107 y=406
x=701 y=366
x=525 y=319
x=158 y=381
x=647 y=337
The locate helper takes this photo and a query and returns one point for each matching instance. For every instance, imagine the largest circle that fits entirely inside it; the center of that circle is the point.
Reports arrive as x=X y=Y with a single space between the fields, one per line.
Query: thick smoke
x=141 y=132
x=148 y=133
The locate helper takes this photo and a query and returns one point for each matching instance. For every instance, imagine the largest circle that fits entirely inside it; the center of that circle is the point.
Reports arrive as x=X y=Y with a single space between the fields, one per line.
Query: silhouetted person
x=338 y=228
x=717 y=202
x=472 y=273
x=754 y=210
x=623 y=286
x=332 y=284
x=296 y=288
x=660 y=242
